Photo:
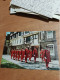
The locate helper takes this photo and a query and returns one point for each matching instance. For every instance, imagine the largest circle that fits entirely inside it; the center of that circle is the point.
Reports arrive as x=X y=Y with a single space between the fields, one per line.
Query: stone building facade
x=36 y=39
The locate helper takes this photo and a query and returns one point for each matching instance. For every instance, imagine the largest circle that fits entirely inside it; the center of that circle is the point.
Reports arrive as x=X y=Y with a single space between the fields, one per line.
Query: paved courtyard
x=54 y=64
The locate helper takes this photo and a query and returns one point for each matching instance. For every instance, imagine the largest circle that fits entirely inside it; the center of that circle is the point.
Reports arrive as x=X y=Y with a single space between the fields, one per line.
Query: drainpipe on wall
x=39 y=45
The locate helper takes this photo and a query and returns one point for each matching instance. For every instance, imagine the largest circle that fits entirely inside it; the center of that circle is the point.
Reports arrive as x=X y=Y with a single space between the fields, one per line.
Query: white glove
x=34 y=55
x=45 y=58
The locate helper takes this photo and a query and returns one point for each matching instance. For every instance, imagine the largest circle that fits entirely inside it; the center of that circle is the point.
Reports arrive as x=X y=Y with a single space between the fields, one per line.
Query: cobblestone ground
x=54 y=64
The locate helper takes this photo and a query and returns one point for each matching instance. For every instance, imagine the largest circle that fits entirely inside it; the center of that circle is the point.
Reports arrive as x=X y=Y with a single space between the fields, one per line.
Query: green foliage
x=8 y=64
x=4 y=61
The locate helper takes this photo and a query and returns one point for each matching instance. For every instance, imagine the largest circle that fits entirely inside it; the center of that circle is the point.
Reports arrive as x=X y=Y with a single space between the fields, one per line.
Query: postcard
x=31 y=50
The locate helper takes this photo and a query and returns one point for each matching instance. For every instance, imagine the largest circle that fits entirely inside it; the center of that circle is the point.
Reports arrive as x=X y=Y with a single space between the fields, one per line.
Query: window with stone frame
x=28 y=39
x=51 y=48
x=49 y=34
x=35 y=36
x=20 y=40
x=19 y=33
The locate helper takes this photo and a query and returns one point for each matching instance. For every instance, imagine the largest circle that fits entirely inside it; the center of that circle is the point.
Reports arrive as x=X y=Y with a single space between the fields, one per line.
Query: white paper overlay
x=43 y=7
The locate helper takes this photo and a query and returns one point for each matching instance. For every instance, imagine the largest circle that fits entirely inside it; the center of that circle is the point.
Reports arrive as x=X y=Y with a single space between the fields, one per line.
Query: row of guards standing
x=28 y=53
x=24 y=53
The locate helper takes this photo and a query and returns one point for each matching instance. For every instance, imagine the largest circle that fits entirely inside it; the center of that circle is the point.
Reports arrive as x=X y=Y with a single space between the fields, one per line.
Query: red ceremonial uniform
x=16 y=54
x=26 y=54
x=47 y=57
x=42 y=54
x=19 y=54
x=12 y=53
x=35 y=54
x=30 y=54
x=22 y=54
